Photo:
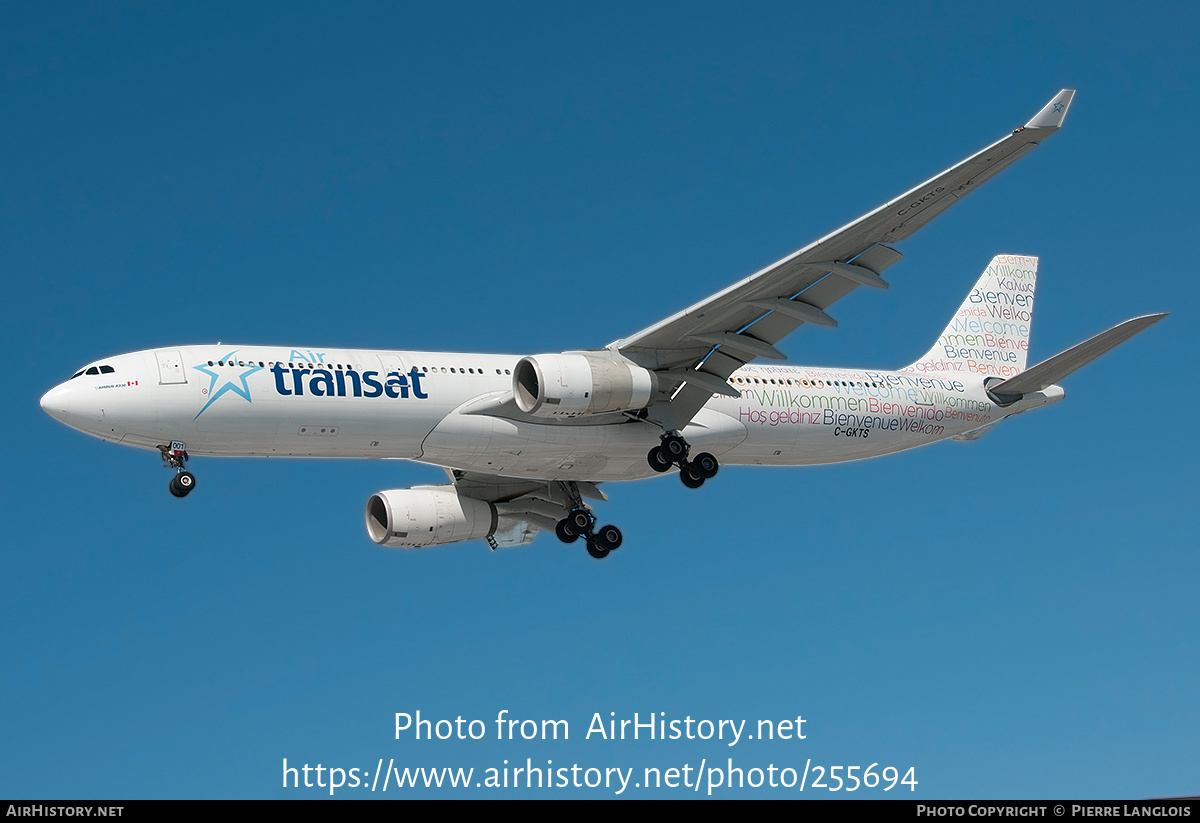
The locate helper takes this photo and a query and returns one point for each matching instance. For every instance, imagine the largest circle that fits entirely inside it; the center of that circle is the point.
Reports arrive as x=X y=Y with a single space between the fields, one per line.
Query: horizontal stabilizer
x=1060 y=365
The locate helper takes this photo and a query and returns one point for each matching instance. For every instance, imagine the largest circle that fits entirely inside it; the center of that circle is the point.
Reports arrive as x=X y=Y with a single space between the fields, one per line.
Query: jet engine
x=573 y=385
x=410 y=518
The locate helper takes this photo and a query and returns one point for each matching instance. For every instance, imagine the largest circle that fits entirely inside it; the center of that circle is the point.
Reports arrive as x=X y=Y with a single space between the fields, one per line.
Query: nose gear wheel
x=174 y=456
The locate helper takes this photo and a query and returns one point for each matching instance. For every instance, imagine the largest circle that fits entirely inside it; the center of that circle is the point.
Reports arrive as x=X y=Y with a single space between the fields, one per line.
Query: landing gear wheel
x=596 y=550
x=705 y=465
x=174 y=456
x=580 y=521
x=182 y=483
x=564 y=531
x=657 y=461
x=609 y=538
x=690 y=478
x=674 y=448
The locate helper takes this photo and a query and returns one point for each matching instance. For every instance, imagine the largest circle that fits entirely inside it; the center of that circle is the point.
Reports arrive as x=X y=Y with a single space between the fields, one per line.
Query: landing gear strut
x=174 y=456
x=674 y=452
x=580 y=522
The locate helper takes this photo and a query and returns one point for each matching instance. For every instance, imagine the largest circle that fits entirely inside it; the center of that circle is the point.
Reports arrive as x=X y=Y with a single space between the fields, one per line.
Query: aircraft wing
x=696 y=350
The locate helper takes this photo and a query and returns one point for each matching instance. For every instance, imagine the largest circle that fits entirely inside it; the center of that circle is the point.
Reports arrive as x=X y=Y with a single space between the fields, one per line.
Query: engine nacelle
x=410 y=518
x=571 y=385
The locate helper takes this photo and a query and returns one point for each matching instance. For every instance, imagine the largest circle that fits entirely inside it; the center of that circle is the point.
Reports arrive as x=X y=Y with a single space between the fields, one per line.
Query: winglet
x=1052 y=114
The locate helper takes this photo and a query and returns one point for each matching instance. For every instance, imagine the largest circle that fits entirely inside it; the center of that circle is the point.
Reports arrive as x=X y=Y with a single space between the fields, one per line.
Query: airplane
x=526 y=440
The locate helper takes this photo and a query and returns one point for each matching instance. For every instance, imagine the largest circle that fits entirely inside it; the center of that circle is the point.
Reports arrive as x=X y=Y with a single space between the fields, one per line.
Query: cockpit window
x=105 y=369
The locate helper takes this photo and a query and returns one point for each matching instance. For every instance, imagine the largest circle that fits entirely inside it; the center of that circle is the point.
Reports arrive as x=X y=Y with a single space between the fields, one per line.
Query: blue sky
x=1014 y=617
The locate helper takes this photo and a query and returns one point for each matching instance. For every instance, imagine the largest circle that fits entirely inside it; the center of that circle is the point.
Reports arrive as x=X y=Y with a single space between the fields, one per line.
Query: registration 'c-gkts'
x=526 y=440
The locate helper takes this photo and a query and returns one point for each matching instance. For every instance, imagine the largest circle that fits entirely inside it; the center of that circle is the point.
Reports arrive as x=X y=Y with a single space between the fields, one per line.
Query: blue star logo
x=1058 y=107
x=243 y=390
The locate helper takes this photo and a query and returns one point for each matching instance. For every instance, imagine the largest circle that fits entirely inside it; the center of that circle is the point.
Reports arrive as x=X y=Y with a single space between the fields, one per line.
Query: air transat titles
x=327 y=383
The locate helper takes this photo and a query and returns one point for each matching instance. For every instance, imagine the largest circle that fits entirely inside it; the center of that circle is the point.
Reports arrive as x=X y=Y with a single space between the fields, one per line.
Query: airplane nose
x=56 y=402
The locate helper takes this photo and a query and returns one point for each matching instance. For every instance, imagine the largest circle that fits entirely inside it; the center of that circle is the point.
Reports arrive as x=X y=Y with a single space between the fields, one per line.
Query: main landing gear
x=174 y=456
x=580 y=522
x=674 y=452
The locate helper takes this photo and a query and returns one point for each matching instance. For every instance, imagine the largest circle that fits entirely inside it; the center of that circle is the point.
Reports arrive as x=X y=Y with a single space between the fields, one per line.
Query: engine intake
x=572 y=385
x=410 y=518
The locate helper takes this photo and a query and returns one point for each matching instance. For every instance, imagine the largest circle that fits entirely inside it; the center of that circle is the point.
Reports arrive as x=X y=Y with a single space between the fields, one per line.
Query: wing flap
x=816 y=285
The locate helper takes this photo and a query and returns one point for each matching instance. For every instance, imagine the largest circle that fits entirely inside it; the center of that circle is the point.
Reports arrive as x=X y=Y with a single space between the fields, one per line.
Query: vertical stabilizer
x=989 y=334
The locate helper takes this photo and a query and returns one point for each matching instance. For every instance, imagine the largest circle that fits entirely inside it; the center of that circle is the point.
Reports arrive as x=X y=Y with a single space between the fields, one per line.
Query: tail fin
x=989 y=334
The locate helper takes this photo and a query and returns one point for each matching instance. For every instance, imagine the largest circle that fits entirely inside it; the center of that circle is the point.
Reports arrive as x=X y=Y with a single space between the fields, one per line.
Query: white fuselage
x=431 y=407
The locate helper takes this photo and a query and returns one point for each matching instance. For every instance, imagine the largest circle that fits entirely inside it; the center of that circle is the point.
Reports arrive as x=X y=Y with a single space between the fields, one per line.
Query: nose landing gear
x=174 y=456
x=674 y=452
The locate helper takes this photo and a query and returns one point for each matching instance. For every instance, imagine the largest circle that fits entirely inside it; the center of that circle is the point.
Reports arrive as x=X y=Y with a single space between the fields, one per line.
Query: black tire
x=563 y=530
x=674 y=448
x=705 y=465
x=596 y=551
x=657 y=461
x=609 y=538
x=175 y=490
x=186 y=481
x=690 y=478
x=580 y=520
